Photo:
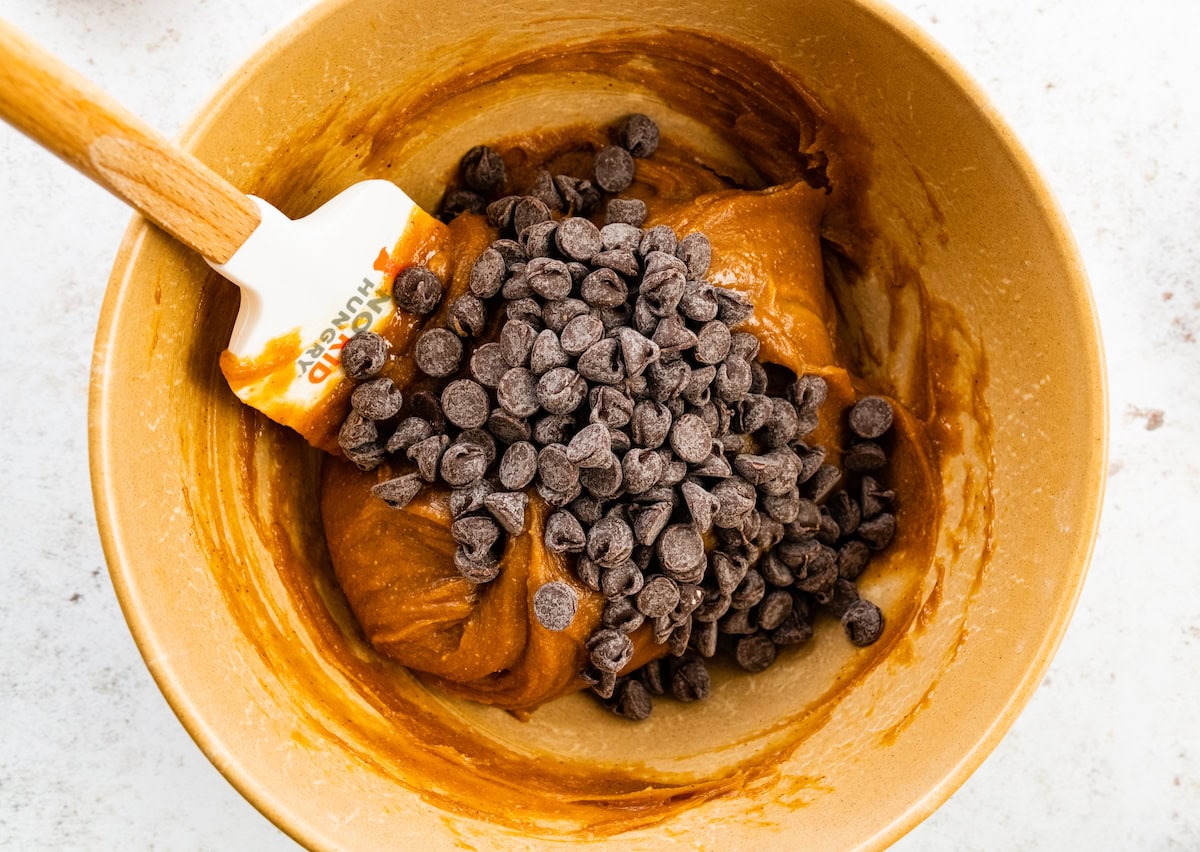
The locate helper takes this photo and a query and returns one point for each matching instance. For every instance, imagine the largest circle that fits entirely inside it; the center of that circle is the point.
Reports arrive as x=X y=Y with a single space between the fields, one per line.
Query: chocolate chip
x=700 y=504
x=554 y=429
x=732 y=307
x=538 y=241
x=463 y=463
x=614 y=169
x=662 y=290
x=716 y=466
x=794 y=630
x=689 y=679
x=863 y=622
x=755 y=653
x=426 y=454
x=739 y=622
x=691 y=439
x=610 y=406
x=636 y=351
x=425 y=404
x=554 y=605
x=603 y=482
x=529 y=211
x=526 y=310
x=712 y=343
x=577 y=238
x=476 y=569
x=477 y=534
x=680 y=637
x=874 y=497
x=559 y=499
x=758 y=378
x=672 y=335
x=549 y=278
x=517 y=392
x=733 y=379
x=604 y=684
x=757 y=469
x=465 y=404
x=620 y=236
x=642 y=469
x=602 y=362
x=808 y=391
x=774 y=571
x=469 y=498
x=781 y=426
x=681 y=552
x=649 y=521
x=658 y=597
x=458 y=201
x=377 y=399
x=483 y=169
x=621 y=580
x=556 y=469
x=438 y=352
x=630 y=700
x=590 y=446
x=829 y=532
x=508 y=429
x=659 y=238
x=398 y=492
x=638 y=134
x=852 y=558
x=609 y=650
x=408 y=432
x=603 y=288
x=696 y=251
x=784 y=508
x=357 y=431
x=518 y=466
x=589 y=574
x=698 y=302
x=416 y=290
x=674 y=471
x=581 y=333
x=500 y=212
x=516 y=342
x=563 y=533
x=864 y=456
x=620 y=614
x=821 y=484
x=561 y=390
x=776 y=606
x=364 y=355
x=558 y=313
x=735 y=497
x=488 y=365
x=543 y=190
x=845 y=511
x=626 y=211
x=744 y=345
x=878 y=531
x=749 y=591
x=547 y=353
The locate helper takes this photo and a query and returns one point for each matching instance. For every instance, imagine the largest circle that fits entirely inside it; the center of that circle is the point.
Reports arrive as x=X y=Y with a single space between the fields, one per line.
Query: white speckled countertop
x=1105 y=95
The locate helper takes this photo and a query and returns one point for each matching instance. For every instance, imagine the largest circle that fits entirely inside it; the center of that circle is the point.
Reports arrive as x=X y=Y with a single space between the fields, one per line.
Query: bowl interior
x=229 y=593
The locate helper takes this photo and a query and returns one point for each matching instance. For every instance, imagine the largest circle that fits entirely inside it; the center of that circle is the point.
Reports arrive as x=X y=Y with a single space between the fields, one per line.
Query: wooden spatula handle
x=67 y=114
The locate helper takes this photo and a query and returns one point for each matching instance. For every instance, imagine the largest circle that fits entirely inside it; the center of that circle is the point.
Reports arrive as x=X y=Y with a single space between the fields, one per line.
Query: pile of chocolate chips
x=618 y=389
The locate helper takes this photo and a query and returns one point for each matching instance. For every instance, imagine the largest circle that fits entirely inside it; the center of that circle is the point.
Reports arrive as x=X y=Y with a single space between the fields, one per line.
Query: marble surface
x=1105 y=95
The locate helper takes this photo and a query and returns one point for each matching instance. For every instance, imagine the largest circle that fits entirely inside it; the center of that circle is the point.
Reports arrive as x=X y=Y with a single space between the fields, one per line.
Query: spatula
x=307 y=285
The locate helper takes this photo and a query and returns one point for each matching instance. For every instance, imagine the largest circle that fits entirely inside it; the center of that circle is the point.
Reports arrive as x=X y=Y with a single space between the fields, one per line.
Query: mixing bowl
x=209 y=513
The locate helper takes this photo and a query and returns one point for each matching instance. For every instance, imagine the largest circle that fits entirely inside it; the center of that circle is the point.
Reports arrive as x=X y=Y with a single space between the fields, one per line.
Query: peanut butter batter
x=396 y=566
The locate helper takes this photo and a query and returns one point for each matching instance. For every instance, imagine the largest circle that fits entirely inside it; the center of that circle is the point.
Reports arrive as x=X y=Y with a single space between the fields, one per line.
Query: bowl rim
x=104 y=473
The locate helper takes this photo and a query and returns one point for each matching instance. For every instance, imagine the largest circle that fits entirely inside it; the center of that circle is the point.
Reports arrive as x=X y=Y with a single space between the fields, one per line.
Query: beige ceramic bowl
x=209 y=516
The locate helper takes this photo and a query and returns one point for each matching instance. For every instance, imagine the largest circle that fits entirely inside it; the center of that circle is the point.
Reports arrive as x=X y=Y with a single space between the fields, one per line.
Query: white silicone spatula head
x=307 y=285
